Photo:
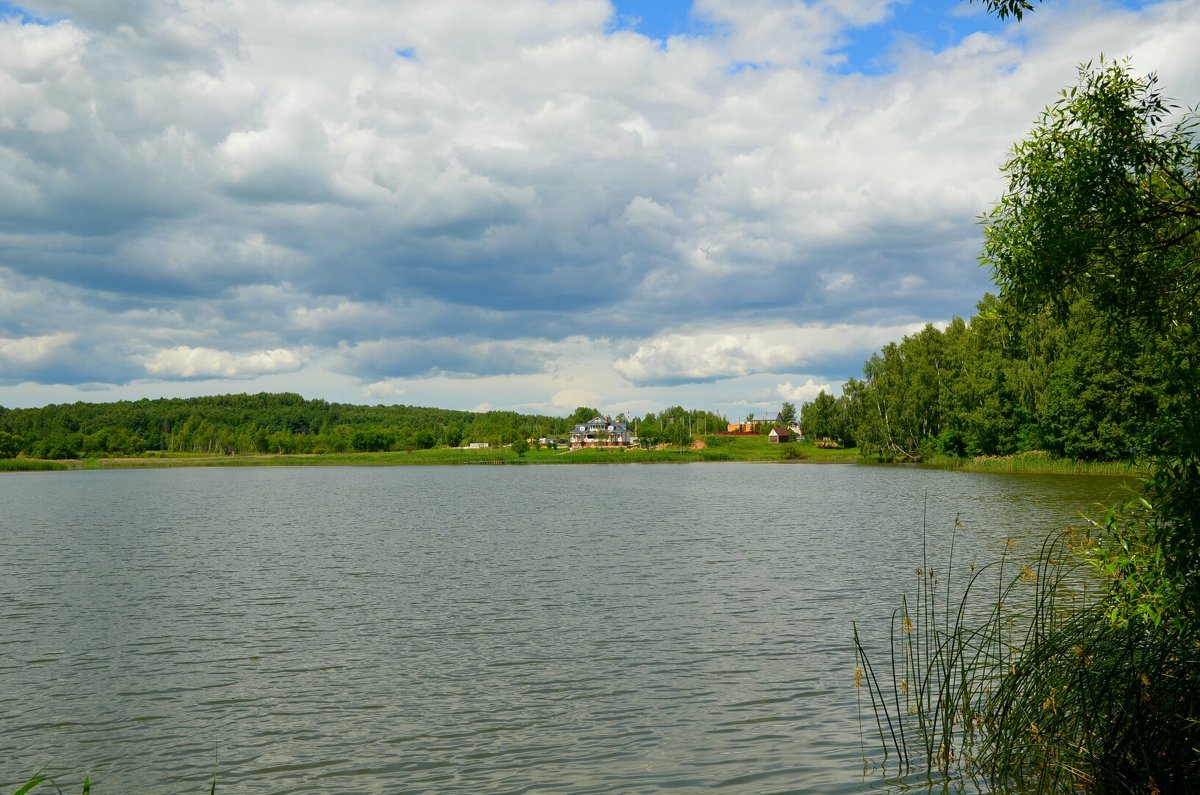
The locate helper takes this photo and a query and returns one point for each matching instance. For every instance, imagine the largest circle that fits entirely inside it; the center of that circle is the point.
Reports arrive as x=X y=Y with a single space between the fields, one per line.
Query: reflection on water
x=566 y=629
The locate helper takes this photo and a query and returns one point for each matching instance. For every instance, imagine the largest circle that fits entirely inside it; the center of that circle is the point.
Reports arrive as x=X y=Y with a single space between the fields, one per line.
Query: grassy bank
x=31 y=465
x=716 y=448
x=1036 y=462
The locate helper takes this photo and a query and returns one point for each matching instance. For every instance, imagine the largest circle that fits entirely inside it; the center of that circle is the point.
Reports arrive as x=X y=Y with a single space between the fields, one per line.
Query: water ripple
x=498 y=630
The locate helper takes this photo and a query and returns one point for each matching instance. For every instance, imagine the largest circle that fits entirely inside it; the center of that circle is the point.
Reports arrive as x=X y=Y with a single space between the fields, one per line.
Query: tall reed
x=948 y=651
x=1022 y=681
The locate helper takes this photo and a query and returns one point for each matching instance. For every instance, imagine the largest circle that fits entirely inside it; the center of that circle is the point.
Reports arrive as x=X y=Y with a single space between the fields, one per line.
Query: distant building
x=750 y=426
x=600 y=432
x=478 y=446
x=779 y=434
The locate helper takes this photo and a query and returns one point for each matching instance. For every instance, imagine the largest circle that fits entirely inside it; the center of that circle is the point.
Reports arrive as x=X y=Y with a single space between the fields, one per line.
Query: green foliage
x=1174 y=494
x=1006 y=382
x=676 y=425
x=1096 y=247
x=38 y=780
x=1123 y=551
x=31 y=784
x=371 y=441
x=792 y=452
x=452 y=435
x=286 y=424
x=947 y=649
x=1022 y=682
x=28 y=465
x=583 y=414
x=1103 y=206
x=520 y=447
x=245 y=424
x=1098 y=707
x=788 y=413
x=1103 y=203
x=1008 y=8
x=819 y=418
x=10 y=445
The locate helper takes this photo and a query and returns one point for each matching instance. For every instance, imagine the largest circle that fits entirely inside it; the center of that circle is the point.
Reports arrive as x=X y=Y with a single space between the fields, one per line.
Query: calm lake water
x=565 y=629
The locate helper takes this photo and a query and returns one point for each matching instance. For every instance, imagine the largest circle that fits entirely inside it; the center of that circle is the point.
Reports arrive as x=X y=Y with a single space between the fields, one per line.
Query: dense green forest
x=1091 y=351
x=288 y=423
x=1068 y=381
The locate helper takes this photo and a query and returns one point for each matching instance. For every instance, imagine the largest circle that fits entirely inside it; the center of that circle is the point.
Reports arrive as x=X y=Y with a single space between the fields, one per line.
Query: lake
x=557 y=629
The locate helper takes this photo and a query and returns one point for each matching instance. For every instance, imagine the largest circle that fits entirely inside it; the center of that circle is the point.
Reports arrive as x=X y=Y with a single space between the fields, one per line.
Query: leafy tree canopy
x=788 y=413
x=1009 y=8
x=1104 y=202
x=1103 y=205
x=583 y=414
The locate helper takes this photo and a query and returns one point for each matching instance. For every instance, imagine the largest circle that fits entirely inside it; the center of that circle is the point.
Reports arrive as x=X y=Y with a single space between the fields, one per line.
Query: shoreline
x=799 y=453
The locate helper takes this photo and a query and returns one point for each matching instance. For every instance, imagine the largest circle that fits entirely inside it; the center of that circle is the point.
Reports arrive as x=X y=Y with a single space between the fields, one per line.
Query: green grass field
x=717 y=448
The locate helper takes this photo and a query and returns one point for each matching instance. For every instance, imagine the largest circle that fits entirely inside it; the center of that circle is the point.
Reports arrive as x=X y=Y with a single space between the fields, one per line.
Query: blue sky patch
x=934 y=25
x=659 y=19
x=12 y=10
x=737 y=67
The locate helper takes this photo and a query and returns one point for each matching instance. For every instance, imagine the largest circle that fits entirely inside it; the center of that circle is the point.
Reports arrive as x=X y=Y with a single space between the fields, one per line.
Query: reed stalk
x=37 y=780
x=1032 y=686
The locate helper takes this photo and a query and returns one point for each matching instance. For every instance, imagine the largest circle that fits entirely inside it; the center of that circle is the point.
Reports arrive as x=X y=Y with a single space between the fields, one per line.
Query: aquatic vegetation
x=37 y=780
x=1026 y=680
x=28 y=465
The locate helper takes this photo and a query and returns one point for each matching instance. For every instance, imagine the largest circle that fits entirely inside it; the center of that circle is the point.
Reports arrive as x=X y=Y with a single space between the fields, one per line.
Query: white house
x=600 y=432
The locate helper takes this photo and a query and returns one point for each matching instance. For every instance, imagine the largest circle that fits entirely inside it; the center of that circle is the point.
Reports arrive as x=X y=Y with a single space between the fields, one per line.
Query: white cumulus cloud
x=384 y=391
x=32 y=350
x=704 y=355
x=188 y=362
x=507 y=201
x=803 y=393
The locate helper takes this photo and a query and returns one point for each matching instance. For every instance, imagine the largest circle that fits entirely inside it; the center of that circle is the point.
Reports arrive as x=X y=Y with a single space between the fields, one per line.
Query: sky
x=530 y=205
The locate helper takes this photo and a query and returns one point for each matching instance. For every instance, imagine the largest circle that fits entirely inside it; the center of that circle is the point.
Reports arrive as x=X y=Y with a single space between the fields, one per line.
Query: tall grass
x=1039 y=463
x=1099 y=707
x=946 y=650
x=37 y=780
x=29 y=465
x=1019 y=681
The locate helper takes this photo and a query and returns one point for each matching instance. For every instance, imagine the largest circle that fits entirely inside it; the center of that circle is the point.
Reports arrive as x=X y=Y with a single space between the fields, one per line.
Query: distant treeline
x=288 y=423
x=1075 y=385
